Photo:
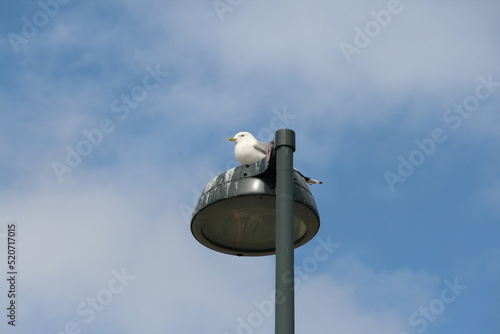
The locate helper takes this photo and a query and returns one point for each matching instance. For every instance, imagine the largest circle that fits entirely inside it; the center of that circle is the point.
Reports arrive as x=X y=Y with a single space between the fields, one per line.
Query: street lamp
x=260 y=209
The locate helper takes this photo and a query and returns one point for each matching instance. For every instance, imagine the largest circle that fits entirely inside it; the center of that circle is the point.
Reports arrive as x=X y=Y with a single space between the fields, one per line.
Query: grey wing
x=261 y=147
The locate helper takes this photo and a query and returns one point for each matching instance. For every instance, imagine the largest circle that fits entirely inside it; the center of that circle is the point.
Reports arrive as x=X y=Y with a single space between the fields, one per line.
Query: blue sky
x=115 y=115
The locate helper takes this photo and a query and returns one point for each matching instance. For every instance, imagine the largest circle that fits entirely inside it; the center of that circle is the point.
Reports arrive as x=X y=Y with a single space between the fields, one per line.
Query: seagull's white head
x=242 y=137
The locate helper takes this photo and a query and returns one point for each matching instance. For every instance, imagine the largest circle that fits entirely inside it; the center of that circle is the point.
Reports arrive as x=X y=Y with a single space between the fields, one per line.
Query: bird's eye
x=243 y=135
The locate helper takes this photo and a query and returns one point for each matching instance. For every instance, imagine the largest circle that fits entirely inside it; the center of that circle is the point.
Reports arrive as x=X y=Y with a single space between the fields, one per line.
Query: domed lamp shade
x=236 y=212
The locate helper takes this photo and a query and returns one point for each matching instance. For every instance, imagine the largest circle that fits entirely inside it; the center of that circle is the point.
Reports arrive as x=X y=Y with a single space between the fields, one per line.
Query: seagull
x=249 y=150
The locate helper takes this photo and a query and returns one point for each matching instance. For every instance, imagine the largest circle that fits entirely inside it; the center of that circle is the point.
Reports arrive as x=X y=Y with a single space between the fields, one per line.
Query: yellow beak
x=231 y=139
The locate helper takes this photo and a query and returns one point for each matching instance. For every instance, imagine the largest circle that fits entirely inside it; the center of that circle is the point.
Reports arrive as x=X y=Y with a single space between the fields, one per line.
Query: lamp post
x=284 y=316
x=260 y=209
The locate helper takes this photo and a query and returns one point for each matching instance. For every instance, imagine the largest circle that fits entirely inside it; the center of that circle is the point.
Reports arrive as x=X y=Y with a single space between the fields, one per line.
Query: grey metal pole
x=284 y=316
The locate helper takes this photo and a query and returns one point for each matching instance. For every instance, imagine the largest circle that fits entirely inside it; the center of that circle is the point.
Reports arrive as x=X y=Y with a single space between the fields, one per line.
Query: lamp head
x=236 y=212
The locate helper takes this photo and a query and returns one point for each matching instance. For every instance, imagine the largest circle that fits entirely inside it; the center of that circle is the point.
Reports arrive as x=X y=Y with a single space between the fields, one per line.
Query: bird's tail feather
x=312 y=181
x=308 y=179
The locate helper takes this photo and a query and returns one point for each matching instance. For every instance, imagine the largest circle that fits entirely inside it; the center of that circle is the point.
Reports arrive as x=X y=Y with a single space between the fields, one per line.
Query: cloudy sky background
x=253 y=66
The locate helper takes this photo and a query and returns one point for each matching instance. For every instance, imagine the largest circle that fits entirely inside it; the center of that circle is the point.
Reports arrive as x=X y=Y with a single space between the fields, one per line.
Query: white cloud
x=72 y=235
x=119 y=208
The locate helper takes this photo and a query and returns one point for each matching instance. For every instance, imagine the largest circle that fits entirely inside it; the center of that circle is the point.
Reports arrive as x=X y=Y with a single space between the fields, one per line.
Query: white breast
x=246 y=154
